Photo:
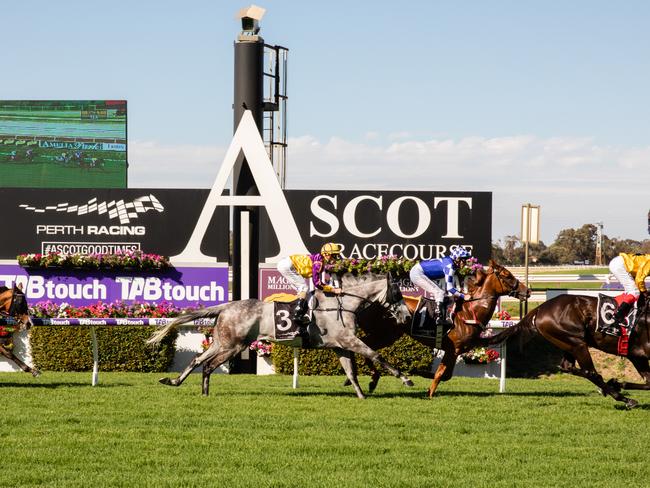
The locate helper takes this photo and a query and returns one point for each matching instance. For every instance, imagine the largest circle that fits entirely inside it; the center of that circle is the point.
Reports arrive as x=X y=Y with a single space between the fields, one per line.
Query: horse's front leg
x=445 y=368
x=12 y=357
x=346 y=358
x=643 y=367
x=356 y=345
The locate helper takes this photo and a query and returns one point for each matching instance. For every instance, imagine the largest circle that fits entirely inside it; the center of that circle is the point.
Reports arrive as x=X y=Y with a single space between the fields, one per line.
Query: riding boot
x=441 y=316
x=300 y=312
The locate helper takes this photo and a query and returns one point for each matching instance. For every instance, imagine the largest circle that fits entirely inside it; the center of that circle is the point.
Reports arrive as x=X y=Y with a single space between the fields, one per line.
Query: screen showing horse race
x=63 y=144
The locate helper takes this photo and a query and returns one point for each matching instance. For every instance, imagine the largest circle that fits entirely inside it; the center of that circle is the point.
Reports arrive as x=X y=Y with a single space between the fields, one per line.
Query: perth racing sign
x=89 y=221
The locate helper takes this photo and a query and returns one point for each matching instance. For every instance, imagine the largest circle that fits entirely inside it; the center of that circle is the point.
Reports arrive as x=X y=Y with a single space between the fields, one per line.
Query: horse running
x=485 y=287
x=242 y=322
x=569 y=322
x=13 y=305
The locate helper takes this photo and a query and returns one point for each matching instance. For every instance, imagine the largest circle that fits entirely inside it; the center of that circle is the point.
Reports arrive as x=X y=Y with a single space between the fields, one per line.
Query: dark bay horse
x=569 y=322
x=334 y=326
x=485 y=287
x=13 y=305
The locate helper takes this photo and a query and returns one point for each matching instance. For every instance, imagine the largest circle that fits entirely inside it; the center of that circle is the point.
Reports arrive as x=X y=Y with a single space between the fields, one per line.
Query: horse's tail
x=525 y=329
x=203 y=313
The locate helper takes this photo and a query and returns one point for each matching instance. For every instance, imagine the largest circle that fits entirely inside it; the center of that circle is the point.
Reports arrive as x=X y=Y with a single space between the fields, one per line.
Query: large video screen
x=63 y=144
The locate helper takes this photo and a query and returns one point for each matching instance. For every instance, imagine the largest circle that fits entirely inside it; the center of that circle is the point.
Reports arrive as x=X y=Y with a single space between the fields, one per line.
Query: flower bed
x=480 y=355
x=118 y=260
x=389 y=264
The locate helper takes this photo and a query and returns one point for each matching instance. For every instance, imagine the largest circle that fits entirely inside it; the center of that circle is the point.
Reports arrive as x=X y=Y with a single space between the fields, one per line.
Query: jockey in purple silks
x=442 y=270
x=298 y=267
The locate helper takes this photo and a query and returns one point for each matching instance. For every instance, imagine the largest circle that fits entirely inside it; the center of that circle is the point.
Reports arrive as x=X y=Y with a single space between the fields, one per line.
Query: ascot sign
x=417 y=225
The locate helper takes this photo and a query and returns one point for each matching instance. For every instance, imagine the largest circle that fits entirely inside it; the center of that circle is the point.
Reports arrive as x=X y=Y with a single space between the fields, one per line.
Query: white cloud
x=575 y=180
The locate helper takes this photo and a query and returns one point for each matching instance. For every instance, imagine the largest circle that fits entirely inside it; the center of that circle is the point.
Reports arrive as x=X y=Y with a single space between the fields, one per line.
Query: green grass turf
x=58 y=431
x=50 y=175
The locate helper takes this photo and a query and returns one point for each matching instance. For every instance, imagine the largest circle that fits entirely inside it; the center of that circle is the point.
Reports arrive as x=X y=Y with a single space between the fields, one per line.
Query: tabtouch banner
x=416 y=225
x=88 y=221
x=184 y=286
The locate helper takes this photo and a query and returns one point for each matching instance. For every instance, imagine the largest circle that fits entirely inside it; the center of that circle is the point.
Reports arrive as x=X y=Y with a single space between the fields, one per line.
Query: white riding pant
x=285 y=266
x=420 y=279
x=617 y=267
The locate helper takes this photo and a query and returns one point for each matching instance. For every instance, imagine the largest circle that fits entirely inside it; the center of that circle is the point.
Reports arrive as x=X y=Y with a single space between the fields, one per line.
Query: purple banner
x=271 y=282
x=183 y=286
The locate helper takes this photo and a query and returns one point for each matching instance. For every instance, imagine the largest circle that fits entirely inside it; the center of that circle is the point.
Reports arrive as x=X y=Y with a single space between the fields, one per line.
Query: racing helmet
x=330 y=248
x=460 y=253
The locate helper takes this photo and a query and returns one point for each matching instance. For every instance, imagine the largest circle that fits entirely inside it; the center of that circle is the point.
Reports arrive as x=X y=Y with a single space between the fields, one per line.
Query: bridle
x=513 y=292
x=15 y=306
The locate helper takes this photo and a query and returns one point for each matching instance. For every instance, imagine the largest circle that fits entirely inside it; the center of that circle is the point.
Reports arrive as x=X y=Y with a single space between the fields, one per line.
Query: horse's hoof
x=36 y=373
x=165 y=381
x=408 y=382
x=347 y=382
x=630 y=404
x=371 y=386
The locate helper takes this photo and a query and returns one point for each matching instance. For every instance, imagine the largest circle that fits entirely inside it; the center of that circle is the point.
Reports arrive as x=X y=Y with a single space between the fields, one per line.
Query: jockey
x=631 y=271
x=425 y=272
x=298 y=267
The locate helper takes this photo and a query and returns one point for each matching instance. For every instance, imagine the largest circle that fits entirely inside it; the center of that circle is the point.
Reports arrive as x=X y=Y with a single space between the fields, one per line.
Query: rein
x=340 y=308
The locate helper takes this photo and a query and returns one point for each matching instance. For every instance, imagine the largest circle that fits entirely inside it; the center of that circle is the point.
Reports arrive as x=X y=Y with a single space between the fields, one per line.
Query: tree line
x=572 y=246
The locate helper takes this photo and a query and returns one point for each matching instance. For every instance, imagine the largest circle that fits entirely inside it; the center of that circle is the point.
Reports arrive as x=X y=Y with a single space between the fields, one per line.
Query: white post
x=245 y=254
x=502 y=379
x=93 y=336
x=296 y=355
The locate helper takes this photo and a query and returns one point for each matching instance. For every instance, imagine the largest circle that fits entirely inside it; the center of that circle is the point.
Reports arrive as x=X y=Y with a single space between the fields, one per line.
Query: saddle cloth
x=424 y=322
x=607 y=307
x=285 y=328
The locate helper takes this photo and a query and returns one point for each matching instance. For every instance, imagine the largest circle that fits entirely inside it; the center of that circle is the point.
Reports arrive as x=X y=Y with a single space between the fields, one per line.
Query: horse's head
x=15 y=306
x=395 y=301
x=499 y=281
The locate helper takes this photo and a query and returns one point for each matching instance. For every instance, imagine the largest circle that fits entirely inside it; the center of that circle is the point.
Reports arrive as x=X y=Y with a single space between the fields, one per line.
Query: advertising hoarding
x=85 y=221
x=417 y=225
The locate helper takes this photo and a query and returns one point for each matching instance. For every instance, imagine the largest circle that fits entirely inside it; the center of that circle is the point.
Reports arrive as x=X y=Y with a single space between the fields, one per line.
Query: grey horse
x=335 y=322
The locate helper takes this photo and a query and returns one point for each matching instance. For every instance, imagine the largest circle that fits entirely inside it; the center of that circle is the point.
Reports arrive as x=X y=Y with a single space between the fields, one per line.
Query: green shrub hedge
x=406 y=354
x=120 y=349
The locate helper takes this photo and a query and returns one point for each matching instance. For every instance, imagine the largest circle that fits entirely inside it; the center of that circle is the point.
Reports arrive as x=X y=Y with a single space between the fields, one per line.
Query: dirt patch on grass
x=614 y=367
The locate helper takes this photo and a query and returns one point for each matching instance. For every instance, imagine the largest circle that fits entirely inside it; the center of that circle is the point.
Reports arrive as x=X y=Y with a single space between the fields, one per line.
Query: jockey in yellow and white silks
x=630 y=270
x=300 y=267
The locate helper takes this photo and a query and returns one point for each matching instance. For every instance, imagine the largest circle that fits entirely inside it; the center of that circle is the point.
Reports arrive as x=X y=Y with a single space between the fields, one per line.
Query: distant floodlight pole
x=599 y=243
x=529 y=235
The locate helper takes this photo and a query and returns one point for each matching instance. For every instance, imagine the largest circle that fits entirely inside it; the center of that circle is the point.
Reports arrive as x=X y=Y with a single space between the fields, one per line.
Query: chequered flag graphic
x=124 y=211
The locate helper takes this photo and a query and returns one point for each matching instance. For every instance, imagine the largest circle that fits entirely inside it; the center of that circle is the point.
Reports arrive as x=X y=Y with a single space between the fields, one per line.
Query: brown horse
x=569 y=322
x=13 y=305
x=471 y=318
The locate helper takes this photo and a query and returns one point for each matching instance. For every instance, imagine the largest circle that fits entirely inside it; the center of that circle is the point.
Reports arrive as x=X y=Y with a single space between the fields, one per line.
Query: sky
x=538 y=102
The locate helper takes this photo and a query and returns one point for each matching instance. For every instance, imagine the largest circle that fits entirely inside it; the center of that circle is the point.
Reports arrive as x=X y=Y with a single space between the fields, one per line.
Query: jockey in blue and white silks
x=433 y=274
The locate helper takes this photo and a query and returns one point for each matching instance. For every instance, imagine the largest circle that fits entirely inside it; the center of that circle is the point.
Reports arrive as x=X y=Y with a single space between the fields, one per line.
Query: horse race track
x=130 y=431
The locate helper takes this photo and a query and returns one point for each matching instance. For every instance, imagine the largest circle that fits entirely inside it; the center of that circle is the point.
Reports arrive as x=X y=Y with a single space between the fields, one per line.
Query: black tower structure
x=248 y=95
